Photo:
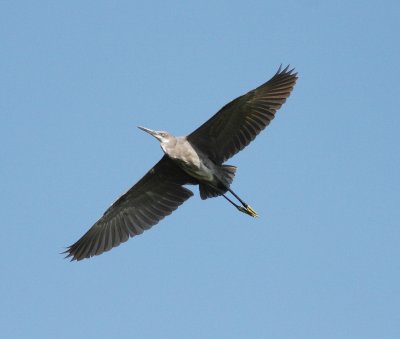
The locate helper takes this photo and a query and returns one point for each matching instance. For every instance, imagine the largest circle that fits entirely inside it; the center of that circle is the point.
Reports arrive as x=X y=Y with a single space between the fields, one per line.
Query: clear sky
x=322 y=261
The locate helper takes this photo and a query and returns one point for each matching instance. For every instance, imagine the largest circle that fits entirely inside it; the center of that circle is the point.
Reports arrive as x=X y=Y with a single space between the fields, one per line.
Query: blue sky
x=322 y=261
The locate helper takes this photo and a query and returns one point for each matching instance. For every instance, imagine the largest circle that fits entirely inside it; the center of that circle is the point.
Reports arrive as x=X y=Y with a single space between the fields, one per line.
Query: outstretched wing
x=240 y=121
x=155 y=196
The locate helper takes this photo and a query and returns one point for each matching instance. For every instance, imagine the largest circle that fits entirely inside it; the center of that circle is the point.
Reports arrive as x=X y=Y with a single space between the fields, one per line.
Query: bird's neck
x=168 y=145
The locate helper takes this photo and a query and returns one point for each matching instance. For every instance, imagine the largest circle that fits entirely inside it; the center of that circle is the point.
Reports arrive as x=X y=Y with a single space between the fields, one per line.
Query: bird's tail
x=228 y=173
x=208 y=191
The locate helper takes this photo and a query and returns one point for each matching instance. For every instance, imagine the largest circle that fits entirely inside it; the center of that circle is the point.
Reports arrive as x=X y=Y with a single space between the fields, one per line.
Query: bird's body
x=196 y=159
x=213 y=179
x=192 y=161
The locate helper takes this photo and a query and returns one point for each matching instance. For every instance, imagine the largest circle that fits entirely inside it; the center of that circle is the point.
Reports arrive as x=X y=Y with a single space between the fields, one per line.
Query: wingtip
x=69 y=254
x=286 y=70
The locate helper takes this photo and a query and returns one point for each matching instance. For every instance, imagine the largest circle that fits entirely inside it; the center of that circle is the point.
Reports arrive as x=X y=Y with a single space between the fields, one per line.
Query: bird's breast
x=192 y=162
x=198 y=171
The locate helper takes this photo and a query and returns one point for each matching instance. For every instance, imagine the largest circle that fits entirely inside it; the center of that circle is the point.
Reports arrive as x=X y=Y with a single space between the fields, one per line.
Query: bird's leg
x=247 y=208
x=240 y=208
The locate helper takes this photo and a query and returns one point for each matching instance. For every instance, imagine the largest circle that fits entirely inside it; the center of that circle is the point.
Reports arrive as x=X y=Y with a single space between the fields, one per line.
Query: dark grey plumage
x=240 y=121
x=195 y=159
x=155 y=196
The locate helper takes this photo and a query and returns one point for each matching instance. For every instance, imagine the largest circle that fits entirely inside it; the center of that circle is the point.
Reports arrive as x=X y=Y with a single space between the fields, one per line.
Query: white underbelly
x=192 y=161
x=202 y=173
x=197 y=168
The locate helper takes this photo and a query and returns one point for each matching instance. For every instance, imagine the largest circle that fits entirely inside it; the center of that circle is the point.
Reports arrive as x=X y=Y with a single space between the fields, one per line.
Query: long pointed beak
x=148 y=130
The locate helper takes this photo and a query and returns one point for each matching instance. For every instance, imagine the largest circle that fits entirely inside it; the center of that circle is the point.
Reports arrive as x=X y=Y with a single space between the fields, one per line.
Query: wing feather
x=240 y=121
x=155 y=196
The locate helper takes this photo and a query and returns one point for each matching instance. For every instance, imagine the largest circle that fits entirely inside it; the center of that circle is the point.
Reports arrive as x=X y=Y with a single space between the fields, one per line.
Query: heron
x=196 y=159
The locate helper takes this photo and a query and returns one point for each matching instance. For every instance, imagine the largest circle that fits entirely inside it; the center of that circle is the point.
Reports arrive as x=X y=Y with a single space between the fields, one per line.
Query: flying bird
x=196 y=159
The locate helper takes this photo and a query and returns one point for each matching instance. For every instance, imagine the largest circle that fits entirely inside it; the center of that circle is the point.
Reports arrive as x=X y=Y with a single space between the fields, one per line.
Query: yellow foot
x=252 y=212
x=248 y=210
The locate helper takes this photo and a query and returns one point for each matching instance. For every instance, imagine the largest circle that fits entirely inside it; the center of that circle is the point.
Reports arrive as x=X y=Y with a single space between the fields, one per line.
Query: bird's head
x=162 y=136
